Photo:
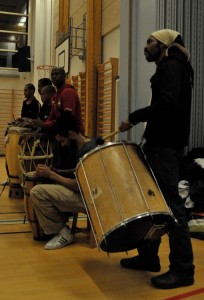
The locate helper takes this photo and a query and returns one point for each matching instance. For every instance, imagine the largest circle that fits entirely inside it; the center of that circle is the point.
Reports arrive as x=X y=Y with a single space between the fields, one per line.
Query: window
x=13 y=30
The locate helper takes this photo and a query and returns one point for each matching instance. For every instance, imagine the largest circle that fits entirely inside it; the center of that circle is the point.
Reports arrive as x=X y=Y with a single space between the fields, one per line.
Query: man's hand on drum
x=125 y=125
x=26 y=122
x=21 y=122
x=34 y=123
x=43 y=171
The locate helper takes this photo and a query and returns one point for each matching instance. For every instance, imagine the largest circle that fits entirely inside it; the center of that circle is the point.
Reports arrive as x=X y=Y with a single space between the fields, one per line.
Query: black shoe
x=171 y=280
x=45 y=237
x=137 y=263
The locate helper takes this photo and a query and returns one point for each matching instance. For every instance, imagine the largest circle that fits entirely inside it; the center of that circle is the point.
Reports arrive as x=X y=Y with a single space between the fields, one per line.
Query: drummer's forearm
x=40 y=123
x=48 y=124
x=64 y=173
x=66 y=182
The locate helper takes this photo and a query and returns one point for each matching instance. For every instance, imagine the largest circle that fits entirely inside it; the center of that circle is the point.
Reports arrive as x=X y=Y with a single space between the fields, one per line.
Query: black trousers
x=164 y=163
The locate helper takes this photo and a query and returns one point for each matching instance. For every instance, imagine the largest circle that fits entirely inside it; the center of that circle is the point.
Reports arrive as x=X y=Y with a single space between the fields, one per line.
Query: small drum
x=12 y=163
x=35 y=148
x=122 y=198
x=30 y=182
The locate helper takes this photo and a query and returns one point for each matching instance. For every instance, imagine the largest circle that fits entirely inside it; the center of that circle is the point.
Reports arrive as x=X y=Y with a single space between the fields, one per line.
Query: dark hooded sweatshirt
x=65 y=99
x=168 y=116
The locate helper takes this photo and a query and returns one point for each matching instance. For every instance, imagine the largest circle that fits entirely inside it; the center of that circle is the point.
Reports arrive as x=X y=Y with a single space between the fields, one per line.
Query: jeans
x=164 y=163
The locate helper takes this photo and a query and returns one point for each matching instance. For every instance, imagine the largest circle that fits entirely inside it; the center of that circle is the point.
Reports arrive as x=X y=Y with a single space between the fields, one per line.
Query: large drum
x=12 y=144
x=35 y=148
x=122 y=198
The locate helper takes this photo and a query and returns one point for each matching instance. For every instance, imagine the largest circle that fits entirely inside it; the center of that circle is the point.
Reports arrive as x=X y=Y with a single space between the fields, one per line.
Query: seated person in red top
x=31 y=106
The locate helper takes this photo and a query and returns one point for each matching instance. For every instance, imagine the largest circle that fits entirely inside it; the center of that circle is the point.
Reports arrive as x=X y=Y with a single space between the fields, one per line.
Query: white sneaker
x=60 y=240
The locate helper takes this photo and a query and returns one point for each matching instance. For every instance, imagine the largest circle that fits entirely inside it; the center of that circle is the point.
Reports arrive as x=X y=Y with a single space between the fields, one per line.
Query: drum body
x=122 y=198
x=12 y=163
x=35 y=148
x=37 y=231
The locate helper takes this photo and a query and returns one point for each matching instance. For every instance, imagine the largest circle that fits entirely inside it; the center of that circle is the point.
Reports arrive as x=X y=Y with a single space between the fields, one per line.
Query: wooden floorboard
x=28 y=272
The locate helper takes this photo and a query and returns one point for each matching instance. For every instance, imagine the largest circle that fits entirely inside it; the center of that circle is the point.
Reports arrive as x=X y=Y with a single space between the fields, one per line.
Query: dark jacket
x=168 y=116
x=44 y=112
x=31 y=110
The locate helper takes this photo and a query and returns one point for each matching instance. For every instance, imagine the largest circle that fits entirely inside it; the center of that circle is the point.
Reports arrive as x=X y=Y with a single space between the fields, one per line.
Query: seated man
x=31 y=106
x=66 y=98
x=52 y=202
x=47 y=93
x=43 y=82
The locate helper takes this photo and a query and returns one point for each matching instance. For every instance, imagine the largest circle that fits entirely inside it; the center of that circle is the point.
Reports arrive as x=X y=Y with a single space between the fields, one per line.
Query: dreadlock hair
x=45 y=81
x=175 y=50
x=64 y=124
x=49 y=89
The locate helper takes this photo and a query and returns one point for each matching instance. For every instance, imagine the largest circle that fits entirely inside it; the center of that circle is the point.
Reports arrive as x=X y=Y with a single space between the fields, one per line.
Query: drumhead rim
x=109 y=144
x=18 y=128
x=168 y=218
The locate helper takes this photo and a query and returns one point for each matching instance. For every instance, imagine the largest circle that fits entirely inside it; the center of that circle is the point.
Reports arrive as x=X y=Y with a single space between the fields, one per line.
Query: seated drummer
x=31 y=106
x=52 y=202
x=43 y=82
x=46 y=93
x=65 y=99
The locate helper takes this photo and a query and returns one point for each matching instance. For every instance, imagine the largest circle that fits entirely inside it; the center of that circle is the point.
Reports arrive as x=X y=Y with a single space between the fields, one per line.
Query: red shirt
x=65 y=99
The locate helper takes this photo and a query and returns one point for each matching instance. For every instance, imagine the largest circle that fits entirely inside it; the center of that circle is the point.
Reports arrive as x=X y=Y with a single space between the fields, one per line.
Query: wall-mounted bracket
x=78 y=39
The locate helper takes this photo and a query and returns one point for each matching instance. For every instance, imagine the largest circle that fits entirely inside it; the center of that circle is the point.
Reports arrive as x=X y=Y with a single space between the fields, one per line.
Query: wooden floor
x=28 y=272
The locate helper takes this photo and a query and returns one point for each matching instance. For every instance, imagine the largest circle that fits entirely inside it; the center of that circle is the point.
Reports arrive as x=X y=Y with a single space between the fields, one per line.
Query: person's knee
x=34 y=194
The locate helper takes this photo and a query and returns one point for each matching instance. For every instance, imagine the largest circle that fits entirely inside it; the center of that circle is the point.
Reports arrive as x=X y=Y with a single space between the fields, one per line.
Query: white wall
x=76 y=66
x=41 y=38
x=18 y=83
x=111 y=45
x=138 y=21
x=78 y=10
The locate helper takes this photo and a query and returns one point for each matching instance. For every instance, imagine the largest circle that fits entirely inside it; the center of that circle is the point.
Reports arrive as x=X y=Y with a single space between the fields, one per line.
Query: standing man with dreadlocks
x=166 y=135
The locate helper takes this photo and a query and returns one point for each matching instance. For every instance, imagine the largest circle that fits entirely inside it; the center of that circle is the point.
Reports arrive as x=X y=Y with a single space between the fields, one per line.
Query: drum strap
x=16 y=177
x=142 y=141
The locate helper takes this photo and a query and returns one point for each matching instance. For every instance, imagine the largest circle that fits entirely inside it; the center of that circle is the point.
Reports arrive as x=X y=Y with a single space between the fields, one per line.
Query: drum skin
x=122 y=198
